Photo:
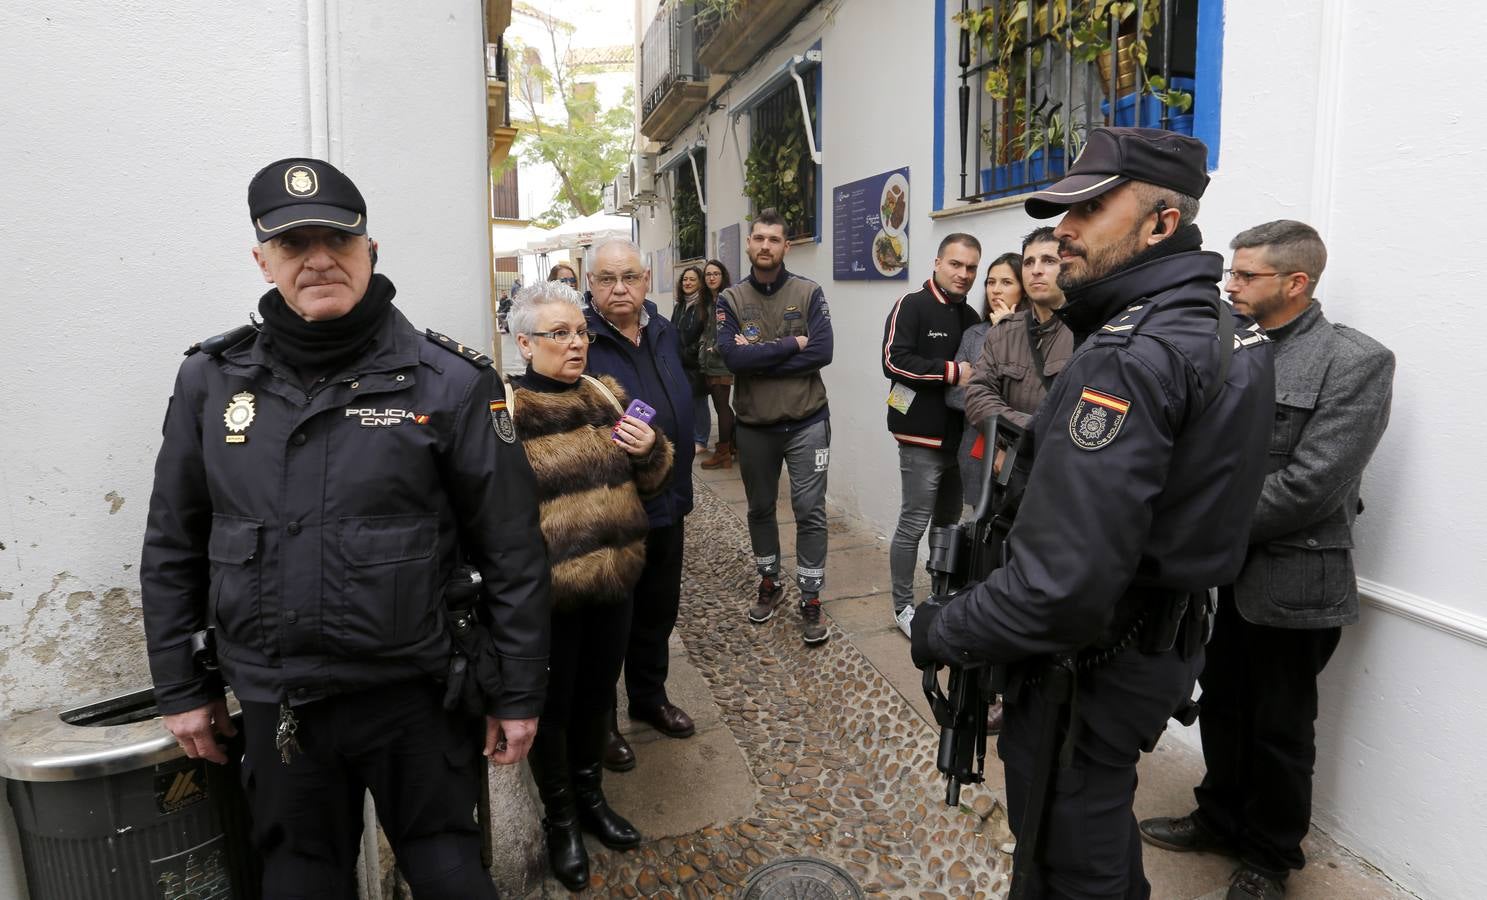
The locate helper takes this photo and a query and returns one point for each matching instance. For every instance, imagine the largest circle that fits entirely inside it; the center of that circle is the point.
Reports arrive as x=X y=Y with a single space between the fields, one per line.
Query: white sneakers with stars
x=903 y=618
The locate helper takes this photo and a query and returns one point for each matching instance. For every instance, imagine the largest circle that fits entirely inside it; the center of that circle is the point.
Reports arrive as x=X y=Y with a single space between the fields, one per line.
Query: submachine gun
x=961 y=555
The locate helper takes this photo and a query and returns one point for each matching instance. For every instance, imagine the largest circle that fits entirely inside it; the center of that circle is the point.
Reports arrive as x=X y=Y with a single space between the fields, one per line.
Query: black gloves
x=924 y=619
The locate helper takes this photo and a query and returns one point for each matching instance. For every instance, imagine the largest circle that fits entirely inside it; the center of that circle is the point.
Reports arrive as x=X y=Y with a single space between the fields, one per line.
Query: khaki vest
x=763 y=399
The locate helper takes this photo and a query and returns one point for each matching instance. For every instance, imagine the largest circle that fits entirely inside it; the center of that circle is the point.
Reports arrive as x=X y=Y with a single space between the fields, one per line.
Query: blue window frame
x=1024 y=95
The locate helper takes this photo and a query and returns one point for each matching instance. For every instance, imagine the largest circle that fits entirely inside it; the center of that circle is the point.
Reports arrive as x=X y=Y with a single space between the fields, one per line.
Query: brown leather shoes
x=618 y=757
x=665 y=718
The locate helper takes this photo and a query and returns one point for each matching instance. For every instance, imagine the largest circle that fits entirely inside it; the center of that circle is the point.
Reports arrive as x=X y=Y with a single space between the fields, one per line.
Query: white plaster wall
x=131 y=131
x=1334 y=113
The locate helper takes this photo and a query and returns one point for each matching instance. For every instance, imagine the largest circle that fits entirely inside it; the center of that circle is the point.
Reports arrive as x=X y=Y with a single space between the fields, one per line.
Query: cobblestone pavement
x=845 y=767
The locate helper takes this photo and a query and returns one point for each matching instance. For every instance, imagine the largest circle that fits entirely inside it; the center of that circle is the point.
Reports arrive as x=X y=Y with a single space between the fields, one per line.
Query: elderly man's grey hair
x=529 y=301
x=595 y=249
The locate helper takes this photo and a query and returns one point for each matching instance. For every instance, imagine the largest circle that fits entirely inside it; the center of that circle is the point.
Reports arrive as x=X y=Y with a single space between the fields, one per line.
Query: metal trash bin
x=109 y=808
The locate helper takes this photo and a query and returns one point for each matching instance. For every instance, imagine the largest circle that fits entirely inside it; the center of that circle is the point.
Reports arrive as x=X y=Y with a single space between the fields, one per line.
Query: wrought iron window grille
x=1029 y=93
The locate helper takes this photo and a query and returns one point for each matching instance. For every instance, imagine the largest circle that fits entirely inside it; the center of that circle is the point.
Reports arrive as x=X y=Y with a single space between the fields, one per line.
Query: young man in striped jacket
x=920 y=340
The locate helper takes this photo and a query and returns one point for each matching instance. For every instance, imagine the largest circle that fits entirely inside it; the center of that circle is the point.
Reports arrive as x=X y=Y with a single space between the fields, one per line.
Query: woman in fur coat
x=593 y=465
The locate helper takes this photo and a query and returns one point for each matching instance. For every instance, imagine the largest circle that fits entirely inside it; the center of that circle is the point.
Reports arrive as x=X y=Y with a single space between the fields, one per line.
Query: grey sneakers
x=812 y=629
x=770 y=595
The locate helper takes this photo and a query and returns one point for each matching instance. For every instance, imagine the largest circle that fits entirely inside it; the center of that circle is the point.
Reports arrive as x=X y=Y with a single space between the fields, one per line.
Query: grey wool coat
x=1333 y=387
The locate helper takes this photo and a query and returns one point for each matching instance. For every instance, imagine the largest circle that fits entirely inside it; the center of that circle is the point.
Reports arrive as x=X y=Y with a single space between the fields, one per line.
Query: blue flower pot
x=1012 y=178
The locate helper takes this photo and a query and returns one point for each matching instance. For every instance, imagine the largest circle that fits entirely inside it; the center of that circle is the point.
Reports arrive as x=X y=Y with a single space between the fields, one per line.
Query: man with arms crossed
x=774 y=331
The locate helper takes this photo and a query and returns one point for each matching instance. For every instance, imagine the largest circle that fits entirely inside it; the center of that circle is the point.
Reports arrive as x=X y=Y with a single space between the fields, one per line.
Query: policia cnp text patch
x=1096 y=418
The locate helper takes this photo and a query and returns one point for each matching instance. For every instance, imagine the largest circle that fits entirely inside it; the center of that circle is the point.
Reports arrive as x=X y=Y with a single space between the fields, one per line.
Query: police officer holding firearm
x=1148 y=456
x=321 y=475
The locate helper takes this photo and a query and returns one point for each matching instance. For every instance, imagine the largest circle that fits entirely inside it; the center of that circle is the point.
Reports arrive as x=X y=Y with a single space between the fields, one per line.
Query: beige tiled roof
x=616 y=55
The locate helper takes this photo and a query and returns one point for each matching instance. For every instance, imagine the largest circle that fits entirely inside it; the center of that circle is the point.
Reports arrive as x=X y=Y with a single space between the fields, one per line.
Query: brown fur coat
x=590 y=490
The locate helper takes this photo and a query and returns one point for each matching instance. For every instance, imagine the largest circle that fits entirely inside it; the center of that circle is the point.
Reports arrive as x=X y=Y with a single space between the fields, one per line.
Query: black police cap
x=1113 y=156
x=301 y=191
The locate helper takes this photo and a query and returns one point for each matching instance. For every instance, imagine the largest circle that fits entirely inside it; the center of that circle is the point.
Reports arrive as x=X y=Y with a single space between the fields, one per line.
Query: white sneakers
x=903 y=618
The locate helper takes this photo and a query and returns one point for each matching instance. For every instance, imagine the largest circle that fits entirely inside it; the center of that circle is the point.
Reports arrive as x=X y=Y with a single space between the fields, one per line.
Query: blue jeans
x=931 y=493
x=702 y=418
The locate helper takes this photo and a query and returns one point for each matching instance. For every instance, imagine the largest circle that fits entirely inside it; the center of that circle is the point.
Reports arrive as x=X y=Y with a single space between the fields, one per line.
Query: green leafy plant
x=566 y=128
x=779 y=170
x=687 y=216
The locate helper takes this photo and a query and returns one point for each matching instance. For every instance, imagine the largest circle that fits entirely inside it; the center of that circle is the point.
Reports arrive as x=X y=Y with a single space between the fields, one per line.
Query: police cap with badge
x=299 y=192
x=1113 y=156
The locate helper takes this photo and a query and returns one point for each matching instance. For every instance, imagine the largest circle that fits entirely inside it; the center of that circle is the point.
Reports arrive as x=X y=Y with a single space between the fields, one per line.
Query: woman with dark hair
x=594 y=466
x=564 y=273
x=715 y=372
x=1003 y=292
x=694 y=303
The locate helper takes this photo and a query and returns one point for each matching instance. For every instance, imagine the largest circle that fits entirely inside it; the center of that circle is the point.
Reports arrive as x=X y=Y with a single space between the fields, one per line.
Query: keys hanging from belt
x=284 y=737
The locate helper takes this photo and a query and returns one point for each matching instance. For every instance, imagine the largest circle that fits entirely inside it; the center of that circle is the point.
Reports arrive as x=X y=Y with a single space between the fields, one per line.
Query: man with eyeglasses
x=639 y=348
x=321 y=475
x=1148 y=456
x=1281 y=620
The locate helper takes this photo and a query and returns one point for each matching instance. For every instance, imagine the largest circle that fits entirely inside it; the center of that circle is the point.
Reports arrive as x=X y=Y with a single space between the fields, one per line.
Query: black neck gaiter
x=323 y=346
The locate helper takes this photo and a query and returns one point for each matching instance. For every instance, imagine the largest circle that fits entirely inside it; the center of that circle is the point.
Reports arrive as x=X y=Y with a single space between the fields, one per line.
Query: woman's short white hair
x=524 y=309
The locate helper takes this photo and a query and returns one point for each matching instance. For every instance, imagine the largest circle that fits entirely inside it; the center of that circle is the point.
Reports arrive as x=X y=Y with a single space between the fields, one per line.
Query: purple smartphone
x=640 y=410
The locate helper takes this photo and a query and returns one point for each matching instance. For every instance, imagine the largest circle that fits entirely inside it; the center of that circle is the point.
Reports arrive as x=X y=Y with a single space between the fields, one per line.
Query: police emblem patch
x=501 y=421
x=238 y=416
x=301 y=182
x=751 y=332
x=1096 y=419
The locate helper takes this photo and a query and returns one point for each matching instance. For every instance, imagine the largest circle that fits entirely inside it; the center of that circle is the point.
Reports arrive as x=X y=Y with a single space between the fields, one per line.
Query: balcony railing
x=730 y=42
x=498 y=72
x=1029 y=93
x=673 y=84
x=499 y=133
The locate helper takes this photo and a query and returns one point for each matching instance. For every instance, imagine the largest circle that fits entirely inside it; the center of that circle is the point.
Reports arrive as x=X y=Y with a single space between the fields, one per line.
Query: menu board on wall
x=728 y=248
x=870 y=228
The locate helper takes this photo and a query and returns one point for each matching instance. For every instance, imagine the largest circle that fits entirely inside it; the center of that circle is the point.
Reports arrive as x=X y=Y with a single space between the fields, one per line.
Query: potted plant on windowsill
x=1139 y=98
x=1036 y=155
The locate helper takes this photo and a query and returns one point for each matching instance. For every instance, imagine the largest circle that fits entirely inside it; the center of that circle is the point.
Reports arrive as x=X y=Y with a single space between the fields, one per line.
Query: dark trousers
x=583 y=662
x=658 y=597
x=1090 y=845
x=422 y=767
x=1258 y=720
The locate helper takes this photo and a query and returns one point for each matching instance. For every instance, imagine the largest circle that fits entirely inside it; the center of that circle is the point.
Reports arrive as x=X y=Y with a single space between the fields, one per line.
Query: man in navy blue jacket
x=636 y=345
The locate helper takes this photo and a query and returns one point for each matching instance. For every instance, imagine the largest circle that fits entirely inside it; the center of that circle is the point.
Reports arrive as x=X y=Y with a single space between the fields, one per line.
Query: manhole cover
x=800 y=878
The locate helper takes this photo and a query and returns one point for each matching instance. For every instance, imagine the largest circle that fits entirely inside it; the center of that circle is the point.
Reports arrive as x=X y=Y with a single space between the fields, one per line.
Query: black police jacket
x=1136 y=484
x=315 y=530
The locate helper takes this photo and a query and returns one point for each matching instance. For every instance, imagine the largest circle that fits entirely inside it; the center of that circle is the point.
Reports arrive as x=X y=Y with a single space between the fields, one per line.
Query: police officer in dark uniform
x=321 y=475
x=1148 y=454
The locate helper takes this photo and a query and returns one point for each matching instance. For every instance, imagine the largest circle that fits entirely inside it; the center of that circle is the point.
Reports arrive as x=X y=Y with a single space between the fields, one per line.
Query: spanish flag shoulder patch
x=1097 y=418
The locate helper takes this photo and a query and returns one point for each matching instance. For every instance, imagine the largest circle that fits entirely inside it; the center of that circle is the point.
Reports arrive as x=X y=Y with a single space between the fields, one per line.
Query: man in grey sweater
x=1281 y=620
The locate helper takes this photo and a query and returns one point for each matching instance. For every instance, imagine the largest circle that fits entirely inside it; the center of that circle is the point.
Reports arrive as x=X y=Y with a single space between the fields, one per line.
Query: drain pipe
x=323 y=49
